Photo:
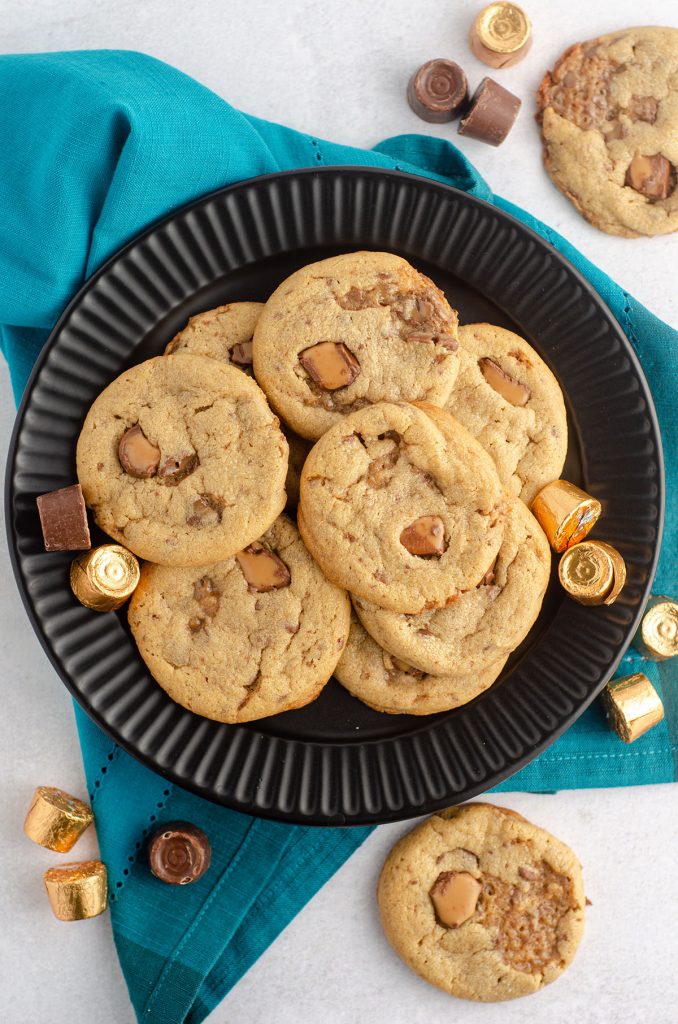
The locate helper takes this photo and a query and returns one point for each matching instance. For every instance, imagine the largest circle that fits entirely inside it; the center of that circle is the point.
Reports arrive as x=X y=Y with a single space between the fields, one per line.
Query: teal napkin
x=93 y=147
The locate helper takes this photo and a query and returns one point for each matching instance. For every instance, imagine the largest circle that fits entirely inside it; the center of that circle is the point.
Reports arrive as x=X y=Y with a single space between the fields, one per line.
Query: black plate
x=336 y=761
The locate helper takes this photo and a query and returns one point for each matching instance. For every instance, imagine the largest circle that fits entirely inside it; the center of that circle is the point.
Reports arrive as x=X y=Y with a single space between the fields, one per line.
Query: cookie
x=507 y=397
x=182 y=461
x=223 y=333
x=482 y=903
x=402 y=509
x=250 y=636
x=483 y=625
x=389 y=684
x=608 y=114
x=349 y=331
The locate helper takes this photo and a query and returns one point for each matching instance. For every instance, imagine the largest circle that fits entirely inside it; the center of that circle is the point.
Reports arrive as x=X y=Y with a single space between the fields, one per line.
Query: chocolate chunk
x=425 y=536
x=503 y=383
x=643 y=108
x=650 y=175
x=330 y=364
x=241 y=354
x=262 y=569
x=206 y=510
x=176 y=468
x=179 y=853
x=63 y=518
x=206 y=593
x=138 y=456
x=491 y=114
x=455 y=896
x=437 y=91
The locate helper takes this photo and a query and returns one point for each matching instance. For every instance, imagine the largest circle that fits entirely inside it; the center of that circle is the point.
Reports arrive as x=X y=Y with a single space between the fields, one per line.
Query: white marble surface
x=337 y=69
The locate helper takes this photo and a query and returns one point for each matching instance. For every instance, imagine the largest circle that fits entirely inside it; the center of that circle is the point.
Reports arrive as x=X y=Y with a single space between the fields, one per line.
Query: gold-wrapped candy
x=565 y=513
x=501 y=35
x=592 y=572
x=103 y=579
x=633 y=706
x=657 y=637
x=55 y=819
x=77 y=891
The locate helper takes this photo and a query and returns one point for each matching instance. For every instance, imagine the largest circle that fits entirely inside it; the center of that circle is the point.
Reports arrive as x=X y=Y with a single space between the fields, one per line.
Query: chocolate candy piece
x=138 y=456
x=330 y=364
x=77 y=891
x=491 y=114
x=262 y=569
x=241 y=354
x=657 y=637
x=395 y=665
x=650 y=175
x=455 y=896
x=437 y=91
x=503 y=383
x=565 y=513
x=55 y=819
x=207 y=595
x=425 y=536
x=103 y=579
x=633 y=706
x=206 y=510
x=176 y=468
x=179 y=853
x=63 y=518
x=501 y=35
x=592 y=573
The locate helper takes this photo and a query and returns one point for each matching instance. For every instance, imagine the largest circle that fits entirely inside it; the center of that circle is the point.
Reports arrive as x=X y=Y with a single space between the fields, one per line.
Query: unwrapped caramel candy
x=263 y=569
x=77 y=891
x=454 y=896
x=633 y=706
x=565 y=513
x=105 y=578
x=657 y=637
x=330 y=364
x=55 y=819
x=592 y=573
x=425 y=536
x=501 y=35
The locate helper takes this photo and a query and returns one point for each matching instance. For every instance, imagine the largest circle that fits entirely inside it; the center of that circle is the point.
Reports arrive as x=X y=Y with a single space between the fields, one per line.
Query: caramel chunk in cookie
x=650 y=175
x=263 y=569
x=506 y=385
x=454 y=896
x=138 y=456
x=176 y=468
x=425 y=536
x=330 y=364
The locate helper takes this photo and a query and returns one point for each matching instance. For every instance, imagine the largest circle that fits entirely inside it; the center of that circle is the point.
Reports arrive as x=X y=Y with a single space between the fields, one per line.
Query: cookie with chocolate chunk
x=507 y=397
x=482 y=903
x=402 y=506
x=608 y=114
x=393 y=686
x=222 y=333
x=349 y=331
x=182 y=461
x=484 y=624
x=244 y=638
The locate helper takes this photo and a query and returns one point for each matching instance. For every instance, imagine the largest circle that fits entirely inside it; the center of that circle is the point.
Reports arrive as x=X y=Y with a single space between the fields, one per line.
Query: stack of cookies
x=408 y=448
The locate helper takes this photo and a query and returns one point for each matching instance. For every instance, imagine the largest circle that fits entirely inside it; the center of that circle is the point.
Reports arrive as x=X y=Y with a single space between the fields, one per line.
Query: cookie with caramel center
x=251 y=636
x=482 y=903
x=349 y=331
x=182 y=461
x=608 y=114
x=401 y=506
x=508 y=398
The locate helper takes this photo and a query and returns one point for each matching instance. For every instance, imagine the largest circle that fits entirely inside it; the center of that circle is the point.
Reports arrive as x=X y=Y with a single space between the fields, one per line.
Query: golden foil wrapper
x=565 y=513
x=77 y=891
x=657 y=637
x=593 y=572
x=103 y=579
x=501 y=35
x=55 y=819
x=633 y=706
